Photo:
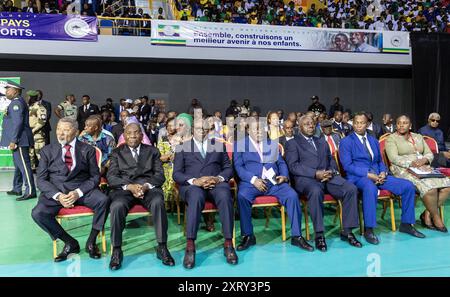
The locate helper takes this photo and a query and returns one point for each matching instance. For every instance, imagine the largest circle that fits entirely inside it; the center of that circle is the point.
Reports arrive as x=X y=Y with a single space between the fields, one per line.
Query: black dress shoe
x=69 y=248
x=246 y=242
x=441 y=229
x=26 y=197
x=189 y=259
x=371 y=238
x=351 y=240
x=301 y=243
x=14 y=193
x=408 y=228
x=93 y=251
x=321 y=244
x=163 y=254
x=230 y=254
x=422 y=222
x=116 y=259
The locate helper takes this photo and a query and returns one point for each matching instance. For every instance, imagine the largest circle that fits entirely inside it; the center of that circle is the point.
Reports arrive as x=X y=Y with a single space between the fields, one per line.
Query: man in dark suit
x=136 y=175
x=373 y=128
x=86 y=110
x=333 y=138
x=202 y=169
x=68 y=175
x=154 y=110
x=288 y=128
x=117 y=130
x=17 y=136
x=339 y=126
x=262 y=171
x=48 y=107
x=144 y=111
x=388 y=124
x=315 y=173
x=362 y=161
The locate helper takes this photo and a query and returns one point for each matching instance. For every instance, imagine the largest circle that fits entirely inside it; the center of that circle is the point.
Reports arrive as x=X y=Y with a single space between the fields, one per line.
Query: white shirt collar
x=72 y=143
x=361 y=136
x=138 y=148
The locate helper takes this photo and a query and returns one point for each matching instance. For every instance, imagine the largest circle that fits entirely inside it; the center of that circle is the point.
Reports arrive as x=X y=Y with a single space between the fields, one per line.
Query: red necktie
x=331 y=143
x=68 y=156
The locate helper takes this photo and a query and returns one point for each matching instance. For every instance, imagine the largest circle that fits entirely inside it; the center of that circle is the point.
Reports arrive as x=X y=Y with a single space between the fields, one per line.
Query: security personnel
x=67 y=108
x=18 y=137
x=38 y=120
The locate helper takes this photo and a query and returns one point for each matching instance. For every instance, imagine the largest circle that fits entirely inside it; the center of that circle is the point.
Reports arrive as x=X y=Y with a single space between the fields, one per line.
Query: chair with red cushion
x=79 y=211
x=136 y=211
x=327 y=200
x=384 y=196
x=272 y=201
x=210 y=207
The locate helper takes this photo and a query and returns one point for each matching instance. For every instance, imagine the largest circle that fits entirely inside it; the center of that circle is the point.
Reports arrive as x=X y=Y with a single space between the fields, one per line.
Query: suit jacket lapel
x=308 y=145
x=77 y=158
x=142 y=158
x=57 y=152
x=196 y=152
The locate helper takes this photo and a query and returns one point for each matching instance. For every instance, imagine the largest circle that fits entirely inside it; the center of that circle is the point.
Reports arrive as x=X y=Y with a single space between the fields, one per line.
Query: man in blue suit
x=17 y=136
x=315 y=173
x=262 y=171
x=202 y=169
x=361 y=158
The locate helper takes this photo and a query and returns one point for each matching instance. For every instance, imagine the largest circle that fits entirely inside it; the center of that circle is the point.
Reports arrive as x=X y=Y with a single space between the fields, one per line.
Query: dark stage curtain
x=431 y=78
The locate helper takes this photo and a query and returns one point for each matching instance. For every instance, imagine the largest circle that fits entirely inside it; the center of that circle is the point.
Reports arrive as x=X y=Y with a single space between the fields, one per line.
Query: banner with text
x=47 y=26
x=203 y=34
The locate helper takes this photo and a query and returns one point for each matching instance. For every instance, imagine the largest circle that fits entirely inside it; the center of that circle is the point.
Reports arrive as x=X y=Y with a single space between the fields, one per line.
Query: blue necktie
x=311 y=142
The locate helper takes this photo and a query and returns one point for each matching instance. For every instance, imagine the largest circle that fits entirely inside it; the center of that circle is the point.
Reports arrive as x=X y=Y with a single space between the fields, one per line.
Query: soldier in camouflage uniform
x=38 y=119
x=67 y=109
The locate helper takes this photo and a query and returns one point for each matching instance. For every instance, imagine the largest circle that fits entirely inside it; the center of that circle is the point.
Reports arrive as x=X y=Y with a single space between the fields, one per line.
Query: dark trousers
x=121 y=203
x=22 y=171
x=285 y=195
x=347 y=193
x=195 y=198
x=45 y=211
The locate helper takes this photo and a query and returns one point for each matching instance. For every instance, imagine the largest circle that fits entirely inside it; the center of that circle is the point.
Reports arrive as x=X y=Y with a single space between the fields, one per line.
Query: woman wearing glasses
x=407 y=150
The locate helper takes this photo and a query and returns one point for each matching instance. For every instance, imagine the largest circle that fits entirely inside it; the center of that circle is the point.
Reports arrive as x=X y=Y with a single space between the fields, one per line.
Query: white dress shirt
x=74 y=163
x=202 y=146
x=135 y=156
x=367 y=142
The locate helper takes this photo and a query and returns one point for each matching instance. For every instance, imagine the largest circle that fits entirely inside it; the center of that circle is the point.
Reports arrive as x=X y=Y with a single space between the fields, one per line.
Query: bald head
x=133 y=135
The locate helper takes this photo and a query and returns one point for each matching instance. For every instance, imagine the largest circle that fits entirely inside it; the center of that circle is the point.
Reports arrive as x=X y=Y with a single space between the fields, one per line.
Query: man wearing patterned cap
x=17 y=136
x=38 y=119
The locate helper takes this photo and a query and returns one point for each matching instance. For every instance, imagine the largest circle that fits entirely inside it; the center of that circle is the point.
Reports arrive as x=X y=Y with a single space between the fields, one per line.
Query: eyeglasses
x=434 y=120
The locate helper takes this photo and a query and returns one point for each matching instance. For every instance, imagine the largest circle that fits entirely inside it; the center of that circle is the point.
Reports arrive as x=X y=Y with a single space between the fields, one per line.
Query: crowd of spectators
x=403 y=15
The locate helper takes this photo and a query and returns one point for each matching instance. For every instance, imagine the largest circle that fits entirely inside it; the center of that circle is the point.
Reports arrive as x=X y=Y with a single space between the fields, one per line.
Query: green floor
x=25 y=250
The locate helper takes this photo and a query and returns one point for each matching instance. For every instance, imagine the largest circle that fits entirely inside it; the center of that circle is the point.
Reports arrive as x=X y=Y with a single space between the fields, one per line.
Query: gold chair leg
x=384 y=209
x=103 y=241
x=441 y=211
x=234 y=235
x=178 y=213
x=54 y=249
x=283 y=223
x=361 y=221
x=391 y=202
x=305 y=214
x=184 y=222
x=340 y=215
